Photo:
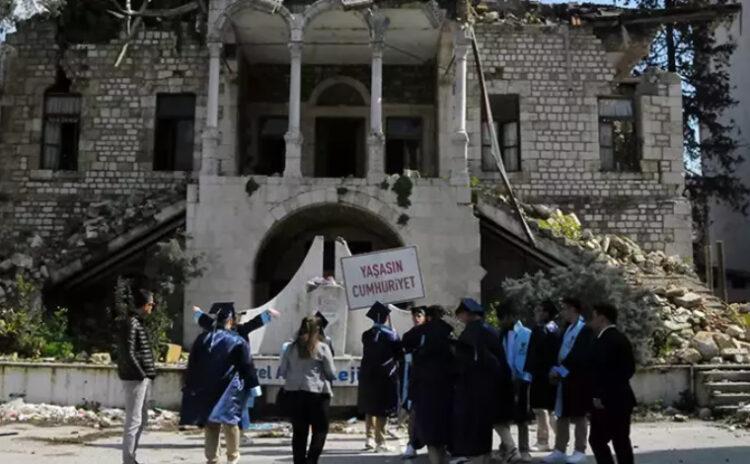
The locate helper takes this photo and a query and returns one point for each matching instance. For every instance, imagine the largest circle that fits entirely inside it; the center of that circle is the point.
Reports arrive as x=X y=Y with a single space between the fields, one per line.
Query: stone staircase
x=724 y=388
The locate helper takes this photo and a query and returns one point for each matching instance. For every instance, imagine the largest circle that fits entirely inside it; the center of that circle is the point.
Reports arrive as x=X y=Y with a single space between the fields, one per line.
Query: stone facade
x=558 y=74
x=117 y=121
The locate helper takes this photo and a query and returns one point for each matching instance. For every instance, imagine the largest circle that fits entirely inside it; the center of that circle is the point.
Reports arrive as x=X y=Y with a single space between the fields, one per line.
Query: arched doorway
x=286 y=245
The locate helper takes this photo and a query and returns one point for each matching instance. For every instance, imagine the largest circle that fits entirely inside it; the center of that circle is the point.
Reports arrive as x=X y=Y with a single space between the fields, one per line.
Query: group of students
x=458 y=390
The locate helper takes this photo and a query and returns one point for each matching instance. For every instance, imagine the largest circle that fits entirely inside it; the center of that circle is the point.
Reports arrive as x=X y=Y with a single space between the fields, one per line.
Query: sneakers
x=525 y=456
x=369 y=444
x=409 y=452
x=541 y=447
x=245 y=440
x=576 y=458
x=555 y=457
x=513 y=457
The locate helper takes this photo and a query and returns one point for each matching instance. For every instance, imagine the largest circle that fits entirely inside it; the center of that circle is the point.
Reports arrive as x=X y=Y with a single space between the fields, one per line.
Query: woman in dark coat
x=432 y=384
x=219 y=380
x=378 y=392
x=482 y=380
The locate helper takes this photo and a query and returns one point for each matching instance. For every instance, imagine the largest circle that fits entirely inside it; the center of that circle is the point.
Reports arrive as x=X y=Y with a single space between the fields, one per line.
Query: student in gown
x=219 y=379
x=515 y=338
x=482 y=379
x=612 y=366
x=410 y=342
x=543 y=348
x=431 y=386
x=206 y=322
x=571 y=375
x=378 y=392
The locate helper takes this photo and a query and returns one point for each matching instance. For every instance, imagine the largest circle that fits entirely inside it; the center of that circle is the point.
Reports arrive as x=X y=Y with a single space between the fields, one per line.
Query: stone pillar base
x=293 y=156
x=209 y=159
x=375 y=157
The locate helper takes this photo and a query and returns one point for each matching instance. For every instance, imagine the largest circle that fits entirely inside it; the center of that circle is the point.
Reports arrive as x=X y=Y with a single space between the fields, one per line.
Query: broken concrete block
x=673 y=291
x=36 y=242
x=689 y=300
x=705 y=344
x=101 y=358
x=6 y=265
x=735 y=331
x=690 y=355
x=22 y=260
x=724 y=341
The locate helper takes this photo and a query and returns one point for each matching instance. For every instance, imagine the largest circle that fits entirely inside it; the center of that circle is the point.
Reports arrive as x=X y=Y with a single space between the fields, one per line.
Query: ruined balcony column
x=460 y=138
x=210 y=162
x=376 y=140
x=293 y=136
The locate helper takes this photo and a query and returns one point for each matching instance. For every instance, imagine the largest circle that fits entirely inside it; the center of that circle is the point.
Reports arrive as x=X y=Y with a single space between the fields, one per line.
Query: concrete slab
x=656 y=443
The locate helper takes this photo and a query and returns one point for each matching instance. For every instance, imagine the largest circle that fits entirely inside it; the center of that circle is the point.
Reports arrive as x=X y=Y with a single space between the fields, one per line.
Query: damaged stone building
x=281 y=121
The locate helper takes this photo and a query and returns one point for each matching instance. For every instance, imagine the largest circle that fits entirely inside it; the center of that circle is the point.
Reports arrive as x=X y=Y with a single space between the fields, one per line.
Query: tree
x=691 y=49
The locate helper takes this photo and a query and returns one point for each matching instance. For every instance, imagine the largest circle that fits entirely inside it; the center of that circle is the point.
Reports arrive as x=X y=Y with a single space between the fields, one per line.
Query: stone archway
x=285 y=245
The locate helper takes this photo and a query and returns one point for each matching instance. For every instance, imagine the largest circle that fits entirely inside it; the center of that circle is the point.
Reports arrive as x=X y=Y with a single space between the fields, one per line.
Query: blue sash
x=522 y=337
x=569 y=339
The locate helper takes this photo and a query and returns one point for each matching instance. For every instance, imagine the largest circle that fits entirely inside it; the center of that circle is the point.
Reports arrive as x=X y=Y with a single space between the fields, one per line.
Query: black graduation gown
x=482 y=382
x=409 y=343
x=612 y=367
x=576 y=391
x=378 y=392
x=431 y=383
x=543 y=349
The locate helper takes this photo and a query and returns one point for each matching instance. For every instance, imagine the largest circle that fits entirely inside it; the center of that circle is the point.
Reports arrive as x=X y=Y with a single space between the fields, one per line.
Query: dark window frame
x=47 y=118
x=169 y=165
x=418 y=138
x=500 y=124
x=622 y=162
x=262 y=119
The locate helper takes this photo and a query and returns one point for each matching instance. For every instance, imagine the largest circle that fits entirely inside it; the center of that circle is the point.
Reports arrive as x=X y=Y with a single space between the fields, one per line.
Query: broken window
x=271 y=145
x=505 y=116
x=174 y=132
x=403 y=144
x=618 y=147
x=62 y=126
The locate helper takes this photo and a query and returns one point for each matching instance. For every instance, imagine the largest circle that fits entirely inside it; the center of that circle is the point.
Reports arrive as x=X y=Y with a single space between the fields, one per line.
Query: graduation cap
x=322 y=321
x=378 y=312
x=223 y=311
x=470 y=305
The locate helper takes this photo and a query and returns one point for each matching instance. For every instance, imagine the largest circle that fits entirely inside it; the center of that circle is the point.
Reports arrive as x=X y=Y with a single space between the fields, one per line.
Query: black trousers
x=308 y=410
x=611 y=426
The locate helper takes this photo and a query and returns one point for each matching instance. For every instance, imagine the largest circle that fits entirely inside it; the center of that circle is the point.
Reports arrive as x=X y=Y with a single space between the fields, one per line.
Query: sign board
x=388 y=276
x=347 y=371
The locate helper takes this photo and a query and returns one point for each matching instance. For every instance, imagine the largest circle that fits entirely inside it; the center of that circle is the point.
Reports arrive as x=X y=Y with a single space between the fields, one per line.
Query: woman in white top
x=307 y=366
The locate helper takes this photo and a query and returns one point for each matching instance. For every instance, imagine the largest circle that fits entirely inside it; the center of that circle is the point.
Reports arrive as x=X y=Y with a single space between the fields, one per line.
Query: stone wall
x=558 y=74
x=117 y=121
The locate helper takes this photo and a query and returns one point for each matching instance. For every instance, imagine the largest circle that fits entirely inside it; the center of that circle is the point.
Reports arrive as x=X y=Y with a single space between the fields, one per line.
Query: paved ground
x=657 y=443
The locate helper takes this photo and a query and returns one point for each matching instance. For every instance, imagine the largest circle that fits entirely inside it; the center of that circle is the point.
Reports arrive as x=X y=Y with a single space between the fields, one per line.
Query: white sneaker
x=369 y=444
x=525 y=457
x=555 y=457
x=409 y=452
x=245 y=440
x=576 y=458
x=541 y=447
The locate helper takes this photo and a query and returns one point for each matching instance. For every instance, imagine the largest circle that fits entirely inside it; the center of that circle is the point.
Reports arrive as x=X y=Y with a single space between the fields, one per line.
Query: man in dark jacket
x=543 y=348
x=612 y=366
x=135 y=366
x=482 y=380
x=410 y=343
x=219 y=381
x=571 y=375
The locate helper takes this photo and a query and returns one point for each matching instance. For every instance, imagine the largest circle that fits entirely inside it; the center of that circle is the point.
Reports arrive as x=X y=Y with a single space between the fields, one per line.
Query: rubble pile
x=47 y=414
x=522 y=12
x=696 y=326
x=100 y=222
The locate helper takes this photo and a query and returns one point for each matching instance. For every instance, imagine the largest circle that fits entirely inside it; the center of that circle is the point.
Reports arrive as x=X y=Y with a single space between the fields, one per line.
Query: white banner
x=267 y=368
x=389 y=276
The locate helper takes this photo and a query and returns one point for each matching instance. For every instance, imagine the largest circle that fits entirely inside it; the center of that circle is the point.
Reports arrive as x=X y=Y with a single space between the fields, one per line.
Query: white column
x=460 y=168
x=210 y=163
x=376 y=139
x=293 y=136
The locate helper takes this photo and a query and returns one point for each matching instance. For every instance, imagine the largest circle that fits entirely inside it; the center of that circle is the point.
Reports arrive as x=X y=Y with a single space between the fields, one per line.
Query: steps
x=726 y=388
